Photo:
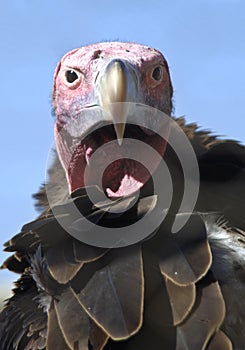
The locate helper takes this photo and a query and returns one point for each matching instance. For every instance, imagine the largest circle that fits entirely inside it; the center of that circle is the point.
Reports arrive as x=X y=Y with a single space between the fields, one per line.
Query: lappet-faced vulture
x=140 y=242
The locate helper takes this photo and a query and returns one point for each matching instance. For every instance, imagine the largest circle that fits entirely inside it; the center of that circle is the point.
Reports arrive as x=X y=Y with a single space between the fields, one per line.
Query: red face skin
x=77 y=86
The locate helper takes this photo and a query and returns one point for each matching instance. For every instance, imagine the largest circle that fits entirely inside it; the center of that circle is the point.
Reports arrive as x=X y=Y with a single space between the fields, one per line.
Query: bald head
x=79 y=72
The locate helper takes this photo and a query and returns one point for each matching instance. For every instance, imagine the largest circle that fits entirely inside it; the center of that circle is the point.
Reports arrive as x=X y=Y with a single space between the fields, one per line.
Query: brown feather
x=205 y=319
x=185 y=256
x=181 y=298
x=73 y=320
x=97 y=337
x=61 y=269
x=55 y=338
x=219 y=342
x=107 y=299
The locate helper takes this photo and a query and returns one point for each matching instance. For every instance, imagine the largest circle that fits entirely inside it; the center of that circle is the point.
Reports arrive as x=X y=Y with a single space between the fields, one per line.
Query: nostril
x=97 y=54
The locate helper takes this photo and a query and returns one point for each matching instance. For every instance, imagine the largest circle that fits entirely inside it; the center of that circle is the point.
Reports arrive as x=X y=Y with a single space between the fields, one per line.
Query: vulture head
x=95 y=94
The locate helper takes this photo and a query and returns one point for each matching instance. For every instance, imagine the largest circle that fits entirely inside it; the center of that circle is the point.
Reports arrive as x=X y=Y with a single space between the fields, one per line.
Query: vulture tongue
x=128 y=186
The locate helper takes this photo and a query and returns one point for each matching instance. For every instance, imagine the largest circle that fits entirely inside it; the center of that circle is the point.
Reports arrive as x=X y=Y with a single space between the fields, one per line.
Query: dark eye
x=71 y=76
x=157 y=73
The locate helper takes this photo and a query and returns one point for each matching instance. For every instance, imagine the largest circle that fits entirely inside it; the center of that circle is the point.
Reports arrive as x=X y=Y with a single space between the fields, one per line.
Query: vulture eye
x=157 y=73
x=71 y=76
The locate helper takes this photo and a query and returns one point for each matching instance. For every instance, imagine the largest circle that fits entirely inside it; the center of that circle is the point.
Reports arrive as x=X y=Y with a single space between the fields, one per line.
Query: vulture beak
x=117 y=84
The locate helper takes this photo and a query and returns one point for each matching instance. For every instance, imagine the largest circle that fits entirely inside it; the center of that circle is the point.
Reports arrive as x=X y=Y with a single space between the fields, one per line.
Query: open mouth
x=119 y=169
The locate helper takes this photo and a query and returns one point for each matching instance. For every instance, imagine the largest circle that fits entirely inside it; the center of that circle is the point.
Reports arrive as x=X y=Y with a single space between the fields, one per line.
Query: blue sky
x=203 y=42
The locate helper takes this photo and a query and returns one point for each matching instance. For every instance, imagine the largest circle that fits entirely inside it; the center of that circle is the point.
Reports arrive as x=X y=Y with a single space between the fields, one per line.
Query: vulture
x=139 y=241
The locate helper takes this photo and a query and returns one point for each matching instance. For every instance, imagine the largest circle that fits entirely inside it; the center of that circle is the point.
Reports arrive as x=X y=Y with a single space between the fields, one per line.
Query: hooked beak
x=117 y=84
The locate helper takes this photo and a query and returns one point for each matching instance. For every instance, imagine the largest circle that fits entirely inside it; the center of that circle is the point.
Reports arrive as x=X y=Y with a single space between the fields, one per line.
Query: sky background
x=203 y=41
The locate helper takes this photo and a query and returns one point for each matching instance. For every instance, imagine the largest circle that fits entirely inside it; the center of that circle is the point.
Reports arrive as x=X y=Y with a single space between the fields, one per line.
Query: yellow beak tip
x=120 y=141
